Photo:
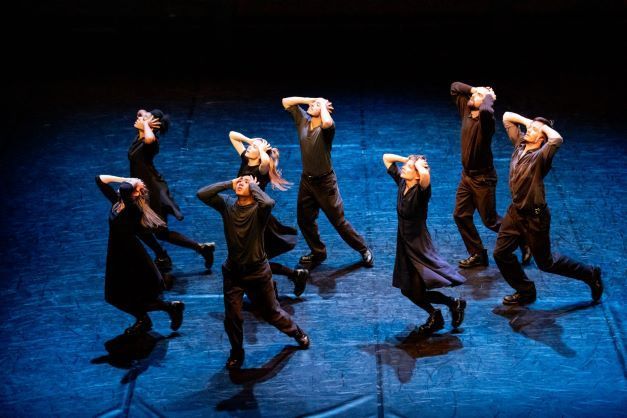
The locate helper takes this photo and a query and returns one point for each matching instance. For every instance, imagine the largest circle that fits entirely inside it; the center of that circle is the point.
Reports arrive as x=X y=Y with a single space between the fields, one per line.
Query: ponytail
x=277 y=180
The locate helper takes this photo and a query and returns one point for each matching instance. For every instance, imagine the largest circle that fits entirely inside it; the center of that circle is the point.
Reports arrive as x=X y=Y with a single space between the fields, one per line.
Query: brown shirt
x=528 y=169
x=476 y=135
x=315 y=144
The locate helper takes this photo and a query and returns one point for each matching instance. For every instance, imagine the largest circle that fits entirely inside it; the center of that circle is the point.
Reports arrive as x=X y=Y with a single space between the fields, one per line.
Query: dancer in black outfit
x=318 y=185
x=528 y=217
x=141 y=154
x=477 y=187
x=246 y=269
x=418 y=267
x=260 y=161
x=132 y=281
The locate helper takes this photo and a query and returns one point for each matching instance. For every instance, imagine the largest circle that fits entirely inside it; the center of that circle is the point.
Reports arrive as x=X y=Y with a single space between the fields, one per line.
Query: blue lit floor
x=561 y=356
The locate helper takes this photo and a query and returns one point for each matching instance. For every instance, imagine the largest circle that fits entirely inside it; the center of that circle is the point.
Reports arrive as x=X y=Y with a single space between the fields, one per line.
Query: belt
x=318 y=177
x=534 y=211
x=479 y=172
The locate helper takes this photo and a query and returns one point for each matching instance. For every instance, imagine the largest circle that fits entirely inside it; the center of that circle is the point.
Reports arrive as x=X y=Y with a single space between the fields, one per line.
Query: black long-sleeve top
x=243 y=225
x=476 y=135
x=143 y=233
x=528 y=169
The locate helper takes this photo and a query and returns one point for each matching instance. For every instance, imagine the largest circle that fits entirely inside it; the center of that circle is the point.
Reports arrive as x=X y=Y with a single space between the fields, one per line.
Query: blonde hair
x=276 y=179
x=149 y=218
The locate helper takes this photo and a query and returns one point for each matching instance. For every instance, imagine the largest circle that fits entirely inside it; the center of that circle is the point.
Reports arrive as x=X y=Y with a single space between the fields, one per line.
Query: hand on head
x=250 y=179
x=144 y=117
x=247 y=179
x=153 y=122
x=325 y=103
x=262 y=144
x=138 y=184
x=421 y=163
x=486 y=91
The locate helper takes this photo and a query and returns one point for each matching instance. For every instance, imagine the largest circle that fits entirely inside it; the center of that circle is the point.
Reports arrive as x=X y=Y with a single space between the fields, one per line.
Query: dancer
x=246 y=269
x=318 y=185
x=260 y=160
x=477 y=188
x=141 y=154
x=528 y=217
x=418 y=267
x=132 y=281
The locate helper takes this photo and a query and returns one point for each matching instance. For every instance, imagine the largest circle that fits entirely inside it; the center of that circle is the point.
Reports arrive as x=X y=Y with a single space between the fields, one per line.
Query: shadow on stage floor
x=560 y=356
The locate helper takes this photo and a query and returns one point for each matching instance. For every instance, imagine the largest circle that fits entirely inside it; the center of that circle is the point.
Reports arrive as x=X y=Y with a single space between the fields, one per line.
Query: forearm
x=515 y=118
x=458 y=88
x=327 y=120
x=553 y=137
x=263 y=200
x=239 y=137
x=106 y=179
x=296 y=100
x=389 y=159
x=149 y=135
x=208 y=194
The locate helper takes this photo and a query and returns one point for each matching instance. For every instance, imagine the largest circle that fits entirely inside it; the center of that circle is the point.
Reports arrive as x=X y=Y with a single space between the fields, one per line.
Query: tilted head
x=242 y=186
x=476 y=100
x=129 y=192
x=155 y=114
x=534 y=132
x=252 y=151
x=409 y=170
x=315 y=108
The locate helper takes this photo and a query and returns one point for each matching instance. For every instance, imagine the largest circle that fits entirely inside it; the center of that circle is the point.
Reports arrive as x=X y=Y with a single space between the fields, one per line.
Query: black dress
x=416 y=258
x=141 y=155
x=278 y=238
x=131 y=280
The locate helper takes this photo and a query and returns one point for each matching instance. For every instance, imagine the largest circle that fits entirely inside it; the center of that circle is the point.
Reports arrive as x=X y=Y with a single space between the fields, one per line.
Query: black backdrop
x=329 y=39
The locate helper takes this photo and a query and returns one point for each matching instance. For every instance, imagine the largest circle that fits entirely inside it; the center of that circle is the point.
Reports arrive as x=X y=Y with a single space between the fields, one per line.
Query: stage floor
x=561 y=356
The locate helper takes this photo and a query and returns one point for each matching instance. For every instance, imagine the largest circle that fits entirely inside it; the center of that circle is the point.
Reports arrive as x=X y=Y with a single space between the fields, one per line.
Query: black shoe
x=176 y=314
x=457 y=312
x=276 y=289
x=300 y=281
x=143 y=324
x=526 y=255
x=235 y=360
x=302 y=339
x=312 y=260
x=164 y=263
x=433 y=324
x=206 y=250
x=520 y=298
x=475 y=260
x=596 y=284
x=367 y=258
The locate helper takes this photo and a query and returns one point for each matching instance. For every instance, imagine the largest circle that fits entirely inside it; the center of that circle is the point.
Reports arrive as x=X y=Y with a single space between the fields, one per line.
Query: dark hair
x=163 y=118
x=543 y=120
x=415 y=157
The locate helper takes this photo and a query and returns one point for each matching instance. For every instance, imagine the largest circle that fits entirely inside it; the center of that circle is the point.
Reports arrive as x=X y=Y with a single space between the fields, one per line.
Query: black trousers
x=477 y=192
x=534 y=230
x=256 y=282
x=323 y=193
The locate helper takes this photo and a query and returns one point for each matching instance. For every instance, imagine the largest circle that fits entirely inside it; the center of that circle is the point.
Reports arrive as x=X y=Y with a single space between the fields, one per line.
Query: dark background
x=560 y=53
x=283 y=39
